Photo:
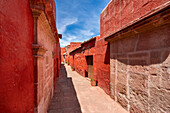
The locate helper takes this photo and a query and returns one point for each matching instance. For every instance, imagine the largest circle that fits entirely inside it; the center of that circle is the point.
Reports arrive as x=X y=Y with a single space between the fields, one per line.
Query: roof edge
x=147 y=16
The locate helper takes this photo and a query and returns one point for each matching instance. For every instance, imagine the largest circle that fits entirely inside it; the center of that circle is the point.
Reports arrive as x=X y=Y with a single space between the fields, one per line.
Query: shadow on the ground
x=65 y=97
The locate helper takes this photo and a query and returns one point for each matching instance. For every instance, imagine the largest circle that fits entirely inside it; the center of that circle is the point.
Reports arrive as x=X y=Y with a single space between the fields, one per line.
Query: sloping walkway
x=74 y=94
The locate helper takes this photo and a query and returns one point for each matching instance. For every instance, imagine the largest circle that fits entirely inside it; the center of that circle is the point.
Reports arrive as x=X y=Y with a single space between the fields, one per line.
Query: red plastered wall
x=103 y=64
x=16 y=60
x=73 y=45
x=63 y=50
x=100 y=50
x=119 y=13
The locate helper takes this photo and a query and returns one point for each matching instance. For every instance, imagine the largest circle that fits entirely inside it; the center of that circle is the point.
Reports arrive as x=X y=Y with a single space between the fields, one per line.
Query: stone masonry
x=139 y=54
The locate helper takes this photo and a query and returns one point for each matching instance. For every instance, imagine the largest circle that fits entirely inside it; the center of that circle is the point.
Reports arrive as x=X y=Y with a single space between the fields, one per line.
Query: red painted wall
x=67 y=53
x=69 y=48
x=57 y=62
x=74 y=45
x=80 y=63
x=100 y=50
x=90 y=50
x=16 y=61
x=59 y=58
x=71 y=60
x=119 y=13
x=103 y=64
x=63 y=50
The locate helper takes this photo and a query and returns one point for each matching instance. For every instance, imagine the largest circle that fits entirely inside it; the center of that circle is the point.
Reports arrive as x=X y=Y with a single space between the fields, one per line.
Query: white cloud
x=66 y=22
x=71 y=37
x=93 y=23
x=64 y=42
x=84 y=15
x=86 y=32
x=89 y=29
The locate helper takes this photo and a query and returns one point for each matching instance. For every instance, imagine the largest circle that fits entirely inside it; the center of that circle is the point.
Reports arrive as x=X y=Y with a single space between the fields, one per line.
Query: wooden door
x=90 y=66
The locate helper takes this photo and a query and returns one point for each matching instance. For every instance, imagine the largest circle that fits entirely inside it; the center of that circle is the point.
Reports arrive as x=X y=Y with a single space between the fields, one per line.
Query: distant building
x=91 y=60
x=72 y=46
x=63 y=52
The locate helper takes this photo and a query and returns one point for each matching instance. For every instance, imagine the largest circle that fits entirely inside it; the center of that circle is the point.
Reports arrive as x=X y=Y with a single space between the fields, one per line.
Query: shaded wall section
x=46 y=74
x=138 y=32
x=57 y=61
x=139 y=71
x=65 y=98
x=140 y=63
x=16 y=61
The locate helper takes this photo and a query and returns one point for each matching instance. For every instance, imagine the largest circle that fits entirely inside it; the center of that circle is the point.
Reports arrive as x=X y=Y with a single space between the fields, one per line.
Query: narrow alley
x=74 y=94
x=84 y=56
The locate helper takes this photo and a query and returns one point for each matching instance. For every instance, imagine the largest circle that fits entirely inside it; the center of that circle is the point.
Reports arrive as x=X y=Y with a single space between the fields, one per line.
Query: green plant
x=68 y=63
x=93 y=82
x=93 y=79
x=72 y=67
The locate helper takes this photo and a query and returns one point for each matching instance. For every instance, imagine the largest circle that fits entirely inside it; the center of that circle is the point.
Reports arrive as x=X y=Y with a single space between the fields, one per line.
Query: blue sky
x=78 y=20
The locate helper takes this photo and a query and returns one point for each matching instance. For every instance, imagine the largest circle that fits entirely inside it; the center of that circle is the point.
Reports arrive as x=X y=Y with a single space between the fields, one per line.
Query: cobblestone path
x=74 y=94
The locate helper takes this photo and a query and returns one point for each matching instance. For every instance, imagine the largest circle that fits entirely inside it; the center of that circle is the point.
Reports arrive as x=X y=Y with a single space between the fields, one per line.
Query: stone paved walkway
x=74 y=94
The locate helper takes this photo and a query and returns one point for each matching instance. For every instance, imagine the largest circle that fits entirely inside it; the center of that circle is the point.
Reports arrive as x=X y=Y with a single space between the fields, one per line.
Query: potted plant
x=73 y=69
x=68 y=63
x=93 y=82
